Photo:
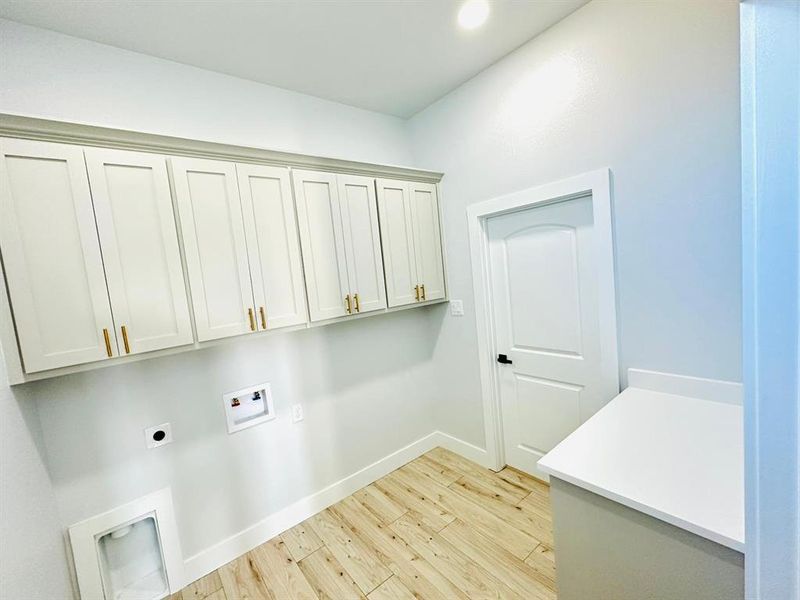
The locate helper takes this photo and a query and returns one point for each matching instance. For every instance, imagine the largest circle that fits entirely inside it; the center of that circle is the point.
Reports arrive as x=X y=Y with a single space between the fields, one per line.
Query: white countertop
x=675 y=458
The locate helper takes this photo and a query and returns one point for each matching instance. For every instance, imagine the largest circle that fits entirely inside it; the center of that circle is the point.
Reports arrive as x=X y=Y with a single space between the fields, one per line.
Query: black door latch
x=503 y=359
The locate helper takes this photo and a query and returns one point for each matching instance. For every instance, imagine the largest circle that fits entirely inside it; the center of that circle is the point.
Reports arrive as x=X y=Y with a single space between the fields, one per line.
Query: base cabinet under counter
x=607 y=551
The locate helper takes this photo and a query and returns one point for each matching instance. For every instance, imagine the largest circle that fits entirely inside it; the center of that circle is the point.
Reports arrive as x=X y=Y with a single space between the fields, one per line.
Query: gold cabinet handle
x=358 y=305
x=416 y=292
x=252 y=319
x=108 y=342
x=347 y=304
x=125 y=339
x=263 y=316
x=422 y=288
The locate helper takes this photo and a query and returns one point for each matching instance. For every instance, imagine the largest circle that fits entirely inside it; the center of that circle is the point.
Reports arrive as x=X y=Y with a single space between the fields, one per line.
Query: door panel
x=397 y=238
x=362 y=242
x=427 y=239
x=273 y=247
x=546 y=413
x=136 y=225
x=321 y=238
x=214 y=242
x=544 y=259
x=544 y=298
x=52 y=256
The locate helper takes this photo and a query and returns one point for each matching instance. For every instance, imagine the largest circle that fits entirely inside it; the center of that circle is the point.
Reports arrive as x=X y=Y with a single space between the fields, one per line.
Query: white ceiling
x=391 y=56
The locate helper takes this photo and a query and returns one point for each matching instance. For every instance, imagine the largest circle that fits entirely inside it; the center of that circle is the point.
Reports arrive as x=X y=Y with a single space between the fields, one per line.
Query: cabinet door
x=321 y=238
x=362 y=242
x=427 y=240
x=272 y=245
x=397 y=238
x=136 y=225
x=214 y=243
x=52 y=256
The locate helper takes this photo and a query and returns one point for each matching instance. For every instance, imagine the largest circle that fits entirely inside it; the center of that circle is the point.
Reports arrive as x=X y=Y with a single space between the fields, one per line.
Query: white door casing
x=362 y=242
x=273 y=246
x=427 y=240
x=322 y=241
x=397 y=239
x=52 y=256
x=215 y=247
x=139 y=240
x=563 y=346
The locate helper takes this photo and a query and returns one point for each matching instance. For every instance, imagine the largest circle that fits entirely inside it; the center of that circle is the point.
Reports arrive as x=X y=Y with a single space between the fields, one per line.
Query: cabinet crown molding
x=17 y=126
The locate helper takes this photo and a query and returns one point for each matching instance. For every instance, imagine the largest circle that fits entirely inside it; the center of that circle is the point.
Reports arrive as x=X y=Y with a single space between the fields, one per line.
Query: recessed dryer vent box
x=131 y=552
x=248 y=407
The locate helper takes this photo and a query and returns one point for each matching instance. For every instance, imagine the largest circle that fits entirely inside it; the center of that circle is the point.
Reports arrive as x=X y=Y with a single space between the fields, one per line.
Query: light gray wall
x=49 y=75
x=651 y=90
x=32 y=550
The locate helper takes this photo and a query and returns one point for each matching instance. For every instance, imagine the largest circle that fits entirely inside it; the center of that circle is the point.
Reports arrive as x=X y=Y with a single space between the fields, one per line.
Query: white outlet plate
x=153 y=437
x=457 y=308
x=248 y=407
x=297 y=413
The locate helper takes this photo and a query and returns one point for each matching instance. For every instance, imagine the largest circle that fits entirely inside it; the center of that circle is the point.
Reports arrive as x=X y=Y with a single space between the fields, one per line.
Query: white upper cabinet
x=427 y=240
x=106 y=253
x=51 y=256
x=136 y=225
x=362 y=242
x=412 y=244
x=322 y=240
x=215 y=247
x=397 y=236
x=272 y=245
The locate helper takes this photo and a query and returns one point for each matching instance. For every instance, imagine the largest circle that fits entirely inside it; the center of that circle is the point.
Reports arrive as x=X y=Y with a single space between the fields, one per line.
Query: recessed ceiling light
x=473 y=14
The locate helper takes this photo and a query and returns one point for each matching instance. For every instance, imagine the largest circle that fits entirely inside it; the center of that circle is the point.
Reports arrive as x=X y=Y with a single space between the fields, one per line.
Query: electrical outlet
x=297 y=413
x=456 y=308
x=159 y=435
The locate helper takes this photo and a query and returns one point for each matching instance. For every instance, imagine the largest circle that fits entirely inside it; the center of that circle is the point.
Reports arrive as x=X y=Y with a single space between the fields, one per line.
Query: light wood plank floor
x=441 y=527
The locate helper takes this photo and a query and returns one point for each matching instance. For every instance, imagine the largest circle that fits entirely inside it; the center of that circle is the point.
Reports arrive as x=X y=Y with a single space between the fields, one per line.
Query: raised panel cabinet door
x=214 y=243
x=427 y=240
x=51 y=256
x=362 y=242
x=273 y=247
x=397 y=239
x=136 y=225
x=322 y=241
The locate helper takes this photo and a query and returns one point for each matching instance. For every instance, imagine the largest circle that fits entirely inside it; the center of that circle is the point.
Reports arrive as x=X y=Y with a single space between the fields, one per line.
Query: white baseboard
x=225 y=551
x=684 y=385
x=465 y=449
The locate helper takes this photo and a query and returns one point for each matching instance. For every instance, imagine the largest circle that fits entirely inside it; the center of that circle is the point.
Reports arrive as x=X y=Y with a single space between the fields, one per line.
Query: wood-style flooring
x=441 y=527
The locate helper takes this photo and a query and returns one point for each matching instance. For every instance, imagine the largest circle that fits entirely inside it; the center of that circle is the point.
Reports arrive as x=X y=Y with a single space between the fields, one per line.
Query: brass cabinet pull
x=252 y=319
x=108 y=342
x=263 y=317
x=125 y=339
x=416 y=292
x=347 y=304
x=358 y=306
x=422 y=287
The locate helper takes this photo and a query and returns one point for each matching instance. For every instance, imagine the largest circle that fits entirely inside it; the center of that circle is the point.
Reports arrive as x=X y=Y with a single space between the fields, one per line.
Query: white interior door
x=272 y=245
x=214 y=243
x=51 y=256
x=397 y=239
x=427 y=240
x=545 y=304
x=362 y=242
x=322 y=240
x=136 y=225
